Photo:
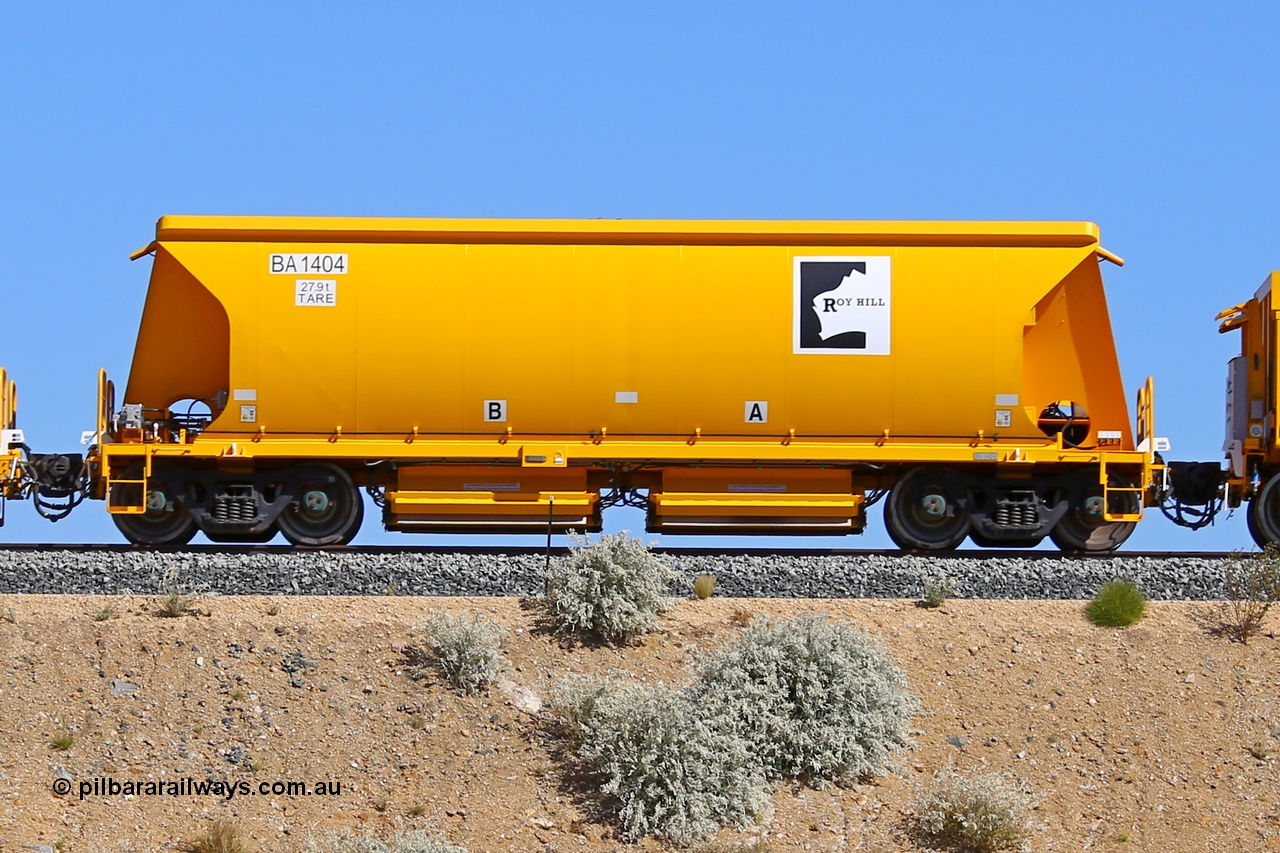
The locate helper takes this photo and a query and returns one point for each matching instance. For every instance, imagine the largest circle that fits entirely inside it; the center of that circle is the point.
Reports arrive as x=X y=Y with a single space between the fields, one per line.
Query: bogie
x=936 y=508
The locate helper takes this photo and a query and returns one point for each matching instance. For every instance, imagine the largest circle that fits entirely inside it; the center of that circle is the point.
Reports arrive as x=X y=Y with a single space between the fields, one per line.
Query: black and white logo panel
x=841 y=305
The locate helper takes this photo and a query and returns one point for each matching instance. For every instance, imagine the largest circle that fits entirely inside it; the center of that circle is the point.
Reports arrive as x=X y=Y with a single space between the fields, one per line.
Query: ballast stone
x=470 y=573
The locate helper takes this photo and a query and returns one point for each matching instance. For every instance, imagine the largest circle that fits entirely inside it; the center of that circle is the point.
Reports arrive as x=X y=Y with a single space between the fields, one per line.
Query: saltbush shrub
x=413 y=841
x=676 y=775
x=802 y=698
x=815 y=700
x=613 y=587
x=983 y=814
x=1117 y=604
x=464 y=649
x=580 y=702
x=937 y=589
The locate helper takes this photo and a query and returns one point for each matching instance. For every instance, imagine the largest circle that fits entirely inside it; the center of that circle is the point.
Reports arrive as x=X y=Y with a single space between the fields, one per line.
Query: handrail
x=1146 y=426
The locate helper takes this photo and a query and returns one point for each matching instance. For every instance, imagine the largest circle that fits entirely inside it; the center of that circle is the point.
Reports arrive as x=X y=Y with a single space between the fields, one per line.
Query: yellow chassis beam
x=706 y=450
x=1012 y=459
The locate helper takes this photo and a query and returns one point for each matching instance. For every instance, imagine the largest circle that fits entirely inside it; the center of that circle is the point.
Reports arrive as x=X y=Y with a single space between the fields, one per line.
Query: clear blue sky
x=1156 y=120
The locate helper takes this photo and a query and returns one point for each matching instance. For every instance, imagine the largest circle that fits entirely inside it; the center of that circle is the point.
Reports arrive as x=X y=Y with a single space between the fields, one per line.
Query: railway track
x=477 y=570
x=559 y=551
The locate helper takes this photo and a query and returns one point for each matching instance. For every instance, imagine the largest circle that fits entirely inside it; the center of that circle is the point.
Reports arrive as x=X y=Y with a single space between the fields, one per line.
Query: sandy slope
x=1142 y=739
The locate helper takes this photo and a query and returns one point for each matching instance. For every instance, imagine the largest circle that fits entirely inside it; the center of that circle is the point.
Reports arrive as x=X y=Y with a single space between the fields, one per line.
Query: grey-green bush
x=676 y=775
x=613 y=588
x=983 y=814
x=815 y=700
x=414 y=841
x=465 y=649
x=581 y=701
x=937 y=589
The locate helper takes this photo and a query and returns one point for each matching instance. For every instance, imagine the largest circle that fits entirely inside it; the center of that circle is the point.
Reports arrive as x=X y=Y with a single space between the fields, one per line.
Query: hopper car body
x=735 y=377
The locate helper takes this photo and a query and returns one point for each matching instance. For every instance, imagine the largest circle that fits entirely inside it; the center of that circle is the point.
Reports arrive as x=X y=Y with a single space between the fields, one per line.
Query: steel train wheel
x=327 y=509
x=165 y=522
x=919 y=515
x=1252 y=524
x=1082 y=528
x=1264 y=513
x=355 y=525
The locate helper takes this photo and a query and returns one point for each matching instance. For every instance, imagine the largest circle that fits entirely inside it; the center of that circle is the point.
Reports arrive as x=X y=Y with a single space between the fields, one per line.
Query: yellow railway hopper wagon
x=54 y=482
x=1252 y=447
x=736 y=377
x=12 y=444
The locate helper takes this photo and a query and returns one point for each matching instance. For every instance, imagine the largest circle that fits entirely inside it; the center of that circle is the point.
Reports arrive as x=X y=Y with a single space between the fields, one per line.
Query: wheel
x=1082 y=527
x=166 y=522
x=327 y=509
x=1264 y=513
x=1252 y=524
x=919 y=514
x=355 y=527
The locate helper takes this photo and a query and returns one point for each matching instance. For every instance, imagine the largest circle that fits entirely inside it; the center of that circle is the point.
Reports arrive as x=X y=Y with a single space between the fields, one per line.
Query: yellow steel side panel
x=625 y=329
x=308 y=355
x=943 y=342
x=295 y=365
x=411 y=338
x=518 y=337
x=732 y=329
x=836 y=394
x=946 y=306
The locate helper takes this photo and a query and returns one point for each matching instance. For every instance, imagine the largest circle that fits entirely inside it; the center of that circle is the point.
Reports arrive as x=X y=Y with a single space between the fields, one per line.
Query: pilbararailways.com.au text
x=105 y=786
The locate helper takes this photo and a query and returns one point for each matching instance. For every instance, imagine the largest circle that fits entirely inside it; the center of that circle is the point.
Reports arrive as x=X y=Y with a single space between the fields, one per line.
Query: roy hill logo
x=841 y=305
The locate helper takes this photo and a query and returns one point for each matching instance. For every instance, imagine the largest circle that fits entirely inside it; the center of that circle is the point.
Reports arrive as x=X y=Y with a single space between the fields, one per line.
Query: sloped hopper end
x=184 y=342
x=1069 y=363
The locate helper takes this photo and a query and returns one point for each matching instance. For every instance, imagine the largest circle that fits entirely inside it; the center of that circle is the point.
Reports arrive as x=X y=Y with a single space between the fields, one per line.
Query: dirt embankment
x=1159 y=737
